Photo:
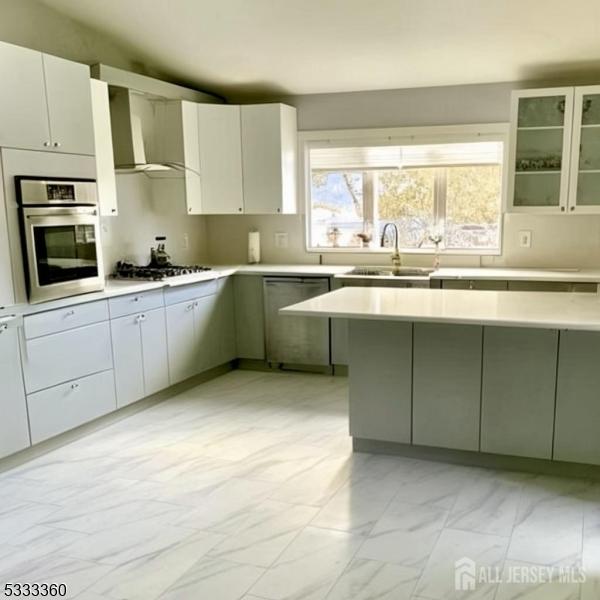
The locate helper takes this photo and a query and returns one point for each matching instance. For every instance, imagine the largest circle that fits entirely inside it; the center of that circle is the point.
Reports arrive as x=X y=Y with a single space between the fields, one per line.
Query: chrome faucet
x=396 y=262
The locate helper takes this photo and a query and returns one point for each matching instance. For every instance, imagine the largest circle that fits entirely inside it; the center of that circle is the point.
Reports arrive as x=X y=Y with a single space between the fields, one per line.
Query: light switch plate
x=281 y=240
x=525 y=238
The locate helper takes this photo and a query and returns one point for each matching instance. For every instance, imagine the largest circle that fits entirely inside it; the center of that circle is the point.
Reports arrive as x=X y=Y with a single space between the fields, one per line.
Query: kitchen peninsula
x=481 y=371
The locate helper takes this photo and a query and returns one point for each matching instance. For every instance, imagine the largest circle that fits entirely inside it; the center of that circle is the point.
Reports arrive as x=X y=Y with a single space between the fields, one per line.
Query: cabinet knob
x=195 y=304
x=189 y=307
x=56 y=144
x=113 y=210
x=69 y=313
x=47 y=144
x=190 y=209
x=572 y=208
x=3 y=327
x=74 y=386
x=136 y=299
x=278 y=210
x=562 y=208
x=239 y=209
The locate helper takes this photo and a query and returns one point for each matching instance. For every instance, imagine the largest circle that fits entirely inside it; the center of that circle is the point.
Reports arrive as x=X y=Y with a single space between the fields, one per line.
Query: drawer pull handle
x=74 y=386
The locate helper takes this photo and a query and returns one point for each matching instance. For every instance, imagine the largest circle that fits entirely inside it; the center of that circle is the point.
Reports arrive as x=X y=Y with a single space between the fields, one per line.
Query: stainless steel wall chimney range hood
x=140 y=126
x=148 y=129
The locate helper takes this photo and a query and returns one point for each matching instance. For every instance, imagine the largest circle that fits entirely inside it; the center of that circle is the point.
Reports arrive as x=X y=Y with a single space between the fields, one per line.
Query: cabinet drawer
x=66 y=318
x=189 y=292
x=54 y=359
x=133 y=303
x=69 y=405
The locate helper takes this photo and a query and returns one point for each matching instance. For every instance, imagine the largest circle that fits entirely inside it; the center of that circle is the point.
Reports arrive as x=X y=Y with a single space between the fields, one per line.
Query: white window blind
x=407 y=156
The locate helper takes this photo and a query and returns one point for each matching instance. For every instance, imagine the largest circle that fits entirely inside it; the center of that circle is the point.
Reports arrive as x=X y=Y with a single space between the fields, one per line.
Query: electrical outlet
x=525 y=239
x=185 y=243
x=281 y=240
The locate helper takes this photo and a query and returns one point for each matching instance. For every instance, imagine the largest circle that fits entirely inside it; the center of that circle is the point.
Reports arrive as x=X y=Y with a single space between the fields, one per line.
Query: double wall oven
x=60 y=237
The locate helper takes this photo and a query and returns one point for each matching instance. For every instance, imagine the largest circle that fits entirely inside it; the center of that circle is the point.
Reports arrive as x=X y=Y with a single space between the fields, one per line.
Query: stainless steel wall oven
x=60 y=236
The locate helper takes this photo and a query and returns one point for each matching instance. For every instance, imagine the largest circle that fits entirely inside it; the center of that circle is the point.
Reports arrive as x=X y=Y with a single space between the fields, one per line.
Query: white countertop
x=553 y=310
x=123 y=287
x=567 y=275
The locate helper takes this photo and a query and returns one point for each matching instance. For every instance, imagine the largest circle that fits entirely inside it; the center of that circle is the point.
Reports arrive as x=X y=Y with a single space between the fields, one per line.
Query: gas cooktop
x=125 y=270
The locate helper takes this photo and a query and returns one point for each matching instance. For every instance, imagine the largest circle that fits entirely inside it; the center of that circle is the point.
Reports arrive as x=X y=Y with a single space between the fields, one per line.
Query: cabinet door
x=269 y=143
x=207 y=341
x=154 y=351
x=584 y=192
x=69 y=105
x=181 y=341
x=14 y=430
x=7 y=288
x=225 y=323
x=447 y=385
x=220 y=137
x=105 y=162
x=249 y=317
x=127 y=354
x=576 y=436
x=540 y=144
x=380 y=380
x=23 y=110
x=518 y=391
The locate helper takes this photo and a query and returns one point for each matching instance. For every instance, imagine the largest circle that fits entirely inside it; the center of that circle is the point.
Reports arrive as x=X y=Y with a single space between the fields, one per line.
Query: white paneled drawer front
x=184 y=293
x=53 y=359
x=135 y=303
x=66 y=318
x=71 y=404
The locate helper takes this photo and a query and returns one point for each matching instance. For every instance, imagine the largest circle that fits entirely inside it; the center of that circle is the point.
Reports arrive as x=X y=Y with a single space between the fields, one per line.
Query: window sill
x=419 y=251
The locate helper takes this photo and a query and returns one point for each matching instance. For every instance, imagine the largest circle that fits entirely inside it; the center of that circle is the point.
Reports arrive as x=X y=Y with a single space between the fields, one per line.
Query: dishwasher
x=290 y=339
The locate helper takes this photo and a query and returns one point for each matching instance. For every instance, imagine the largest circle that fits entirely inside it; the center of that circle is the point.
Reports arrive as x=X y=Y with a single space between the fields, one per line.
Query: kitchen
x=274 y=331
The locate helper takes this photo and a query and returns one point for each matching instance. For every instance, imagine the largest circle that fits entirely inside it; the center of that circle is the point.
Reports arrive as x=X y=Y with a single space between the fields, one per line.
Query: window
x=445 y=194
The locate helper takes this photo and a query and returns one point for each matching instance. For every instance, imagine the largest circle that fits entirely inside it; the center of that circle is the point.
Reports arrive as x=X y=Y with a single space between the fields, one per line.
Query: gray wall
x=560 y=241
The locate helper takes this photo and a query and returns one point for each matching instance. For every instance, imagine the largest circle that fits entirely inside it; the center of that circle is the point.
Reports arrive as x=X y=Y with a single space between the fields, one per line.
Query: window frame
x=447 y=134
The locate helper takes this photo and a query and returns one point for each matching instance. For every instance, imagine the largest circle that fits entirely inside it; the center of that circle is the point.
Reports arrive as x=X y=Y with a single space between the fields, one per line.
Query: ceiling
x=251 y=48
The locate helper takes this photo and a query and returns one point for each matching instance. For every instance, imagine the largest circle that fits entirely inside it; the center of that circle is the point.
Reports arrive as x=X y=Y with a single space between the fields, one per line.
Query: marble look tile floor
x=246 y=488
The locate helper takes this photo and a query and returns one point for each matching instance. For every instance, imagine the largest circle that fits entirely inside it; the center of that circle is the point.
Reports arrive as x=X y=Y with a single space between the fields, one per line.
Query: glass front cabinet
x=555 y=151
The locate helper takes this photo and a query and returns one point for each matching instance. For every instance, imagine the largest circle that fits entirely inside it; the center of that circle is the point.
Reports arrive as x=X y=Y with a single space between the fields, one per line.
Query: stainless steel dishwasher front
x=290 y=339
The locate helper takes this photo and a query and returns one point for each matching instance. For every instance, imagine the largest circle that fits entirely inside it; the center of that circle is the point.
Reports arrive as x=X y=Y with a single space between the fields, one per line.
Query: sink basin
x=388 y=272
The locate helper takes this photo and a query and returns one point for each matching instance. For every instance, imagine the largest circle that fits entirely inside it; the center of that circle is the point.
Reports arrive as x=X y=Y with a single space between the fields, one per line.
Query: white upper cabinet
x=105 y=166
x=584 y=183
x=23 y=110
x=219 y=134
x=540 y=142
x=45 y=102
x=269 y=149
x=554 y=164
x=69 y=105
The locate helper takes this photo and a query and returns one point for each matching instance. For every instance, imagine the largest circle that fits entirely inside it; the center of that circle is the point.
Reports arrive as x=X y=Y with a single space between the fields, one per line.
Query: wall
x=557 y=241
x=148 y=208
x=35 y=25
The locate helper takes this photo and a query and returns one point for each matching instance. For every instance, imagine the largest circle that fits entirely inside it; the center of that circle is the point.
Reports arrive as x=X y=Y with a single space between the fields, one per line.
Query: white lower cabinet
x=52 y=359
x=201 y=330
x=70 y=404
x=14 y=431
x=181 y=336
x=139 y=345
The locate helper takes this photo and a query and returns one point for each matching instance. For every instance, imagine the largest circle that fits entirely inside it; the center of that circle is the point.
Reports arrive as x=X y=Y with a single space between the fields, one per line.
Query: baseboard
x=249 y=364
x=478 y=459
x=28 y=454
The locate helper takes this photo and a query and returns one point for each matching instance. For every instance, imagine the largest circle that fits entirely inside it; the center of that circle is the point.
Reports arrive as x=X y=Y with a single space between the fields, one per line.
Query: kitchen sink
x=388 y=272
